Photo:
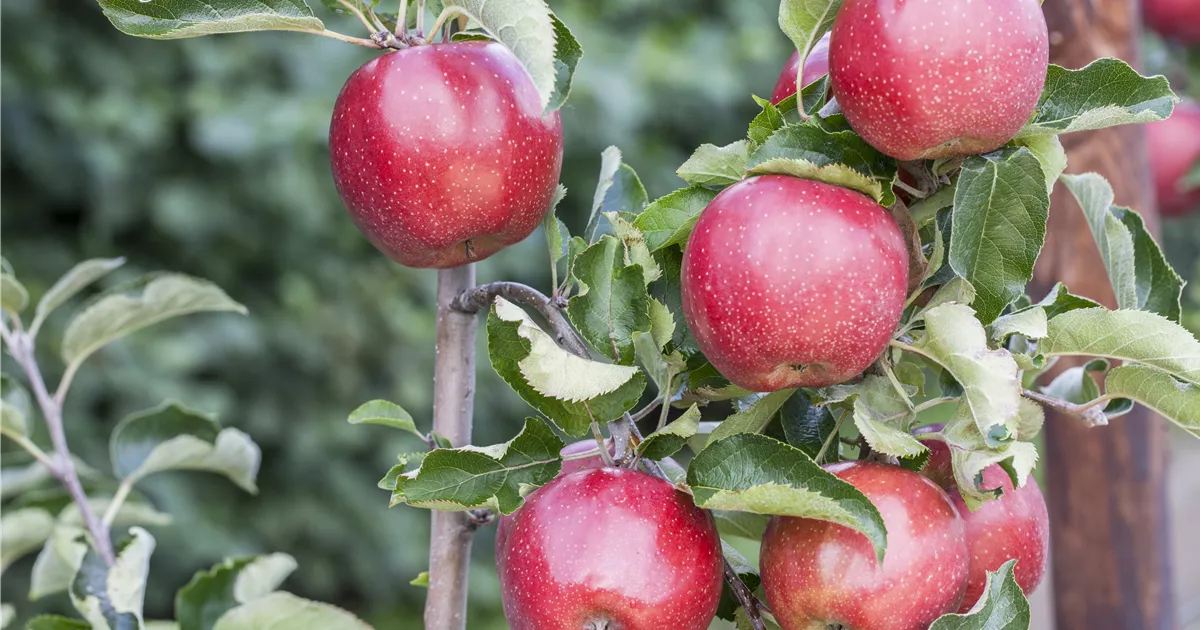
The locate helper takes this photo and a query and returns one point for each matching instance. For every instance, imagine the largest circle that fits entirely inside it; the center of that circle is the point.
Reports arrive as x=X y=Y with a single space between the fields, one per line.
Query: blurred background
x=209 y=156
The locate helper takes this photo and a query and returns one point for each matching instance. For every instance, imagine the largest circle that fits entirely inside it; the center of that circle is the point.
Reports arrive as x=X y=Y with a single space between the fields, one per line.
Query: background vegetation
x=209 y=156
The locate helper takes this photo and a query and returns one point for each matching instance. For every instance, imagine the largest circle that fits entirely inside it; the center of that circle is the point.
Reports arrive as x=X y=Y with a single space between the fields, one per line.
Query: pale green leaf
x=662 y=369
x=234 y=581
x=884 y=419
x=112 y=597
x=80 y=277
x=1104 y=93
x=283 y=610
x=1179 y=402
x=1001 y=607
x=715 y=166
x=21 y=532
x=1050 y=153
x=667 y=441
x=662 y=323
x=618 y=190
x=174 y=19
x=13 y=296
x=1030 y=323
x=1138 y=336
x=386 y=413
x=636 y=251
x=58 y=561
x=422 y=580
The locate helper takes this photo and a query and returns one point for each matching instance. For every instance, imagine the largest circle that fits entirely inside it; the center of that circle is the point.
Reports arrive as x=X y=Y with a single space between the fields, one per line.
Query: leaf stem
x=837 y=430
x=604 y=454
x=666 y=407
x=352 y=7
x=114 y=506
x=437 y=24
x=1090 y=412
x=358 y=41
x=402 y=20
x=420 y=18
x=33 y=449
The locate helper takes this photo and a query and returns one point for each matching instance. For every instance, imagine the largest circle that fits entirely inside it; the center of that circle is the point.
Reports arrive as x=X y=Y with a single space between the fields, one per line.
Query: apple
x=1174 y=151
x=1016 y=525
x=816 y=65
x=1175 y=19
x=610 y=548
x=938 y=78
x=441 y=152
x=788 y=282
x=816 y=573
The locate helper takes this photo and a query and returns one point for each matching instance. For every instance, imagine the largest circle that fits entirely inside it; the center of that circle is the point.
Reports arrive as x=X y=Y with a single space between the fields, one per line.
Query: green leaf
x=471 y=477
x=1140 y=275
x=667 y=441
x=554 y=372
x=999 y=226
x=284 y=610
x=56 y=622
x=754 y=473
x=612 y=302
x=173 y=437
x=386 y=413
x=670 y=219
x=233 y=582
x=174 y=19
x=527 y=28
x=955 y=339
x=118 y=314
x=662 y=368
x=636 y=251
x=112 y=597
x=15 y=407
x=23 y=531
x=1030 y=323
x=884 y=419
x=805 y=21
x=13 y=296
x=1127 y=335
x=753 y=419
x=1077 y=384
x=807 y=426
x=668 y=292
x=422 y=580
x=1050 y=154
x=567 y=53
x=57 y=563
x=1104 y=93
x=1059 y=300
x=554 y=229
x=662 y=324
x=770 y=119
x=618 y=190
x=1001 y=607
x=741 y=524
x=1179 y=402
x=715 y=166
x=748 y=574
x=841 y=158
x=507 y=349
x=80 y=277
x=970 y=454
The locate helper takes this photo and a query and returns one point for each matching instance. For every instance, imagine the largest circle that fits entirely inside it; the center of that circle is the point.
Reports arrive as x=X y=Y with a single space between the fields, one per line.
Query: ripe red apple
x=816 y=65
x=921 y=79
x=793 y=283
x=1014 y=526
x=816 y=573
x=1174 y=150
x=1175 y=19
x=441 y=153
x=610 y=548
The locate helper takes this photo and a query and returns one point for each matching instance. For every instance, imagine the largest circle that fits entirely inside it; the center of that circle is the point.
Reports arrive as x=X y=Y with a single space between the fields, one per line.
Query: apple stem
x=353 y=7
x=479 y=298
x=420 y=18
x=453 y=405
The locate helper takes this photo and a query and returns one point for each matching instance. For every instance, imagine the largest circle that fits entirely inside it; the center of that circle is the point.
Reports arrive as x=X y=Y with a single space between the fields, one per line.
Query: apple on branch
x=442 y=154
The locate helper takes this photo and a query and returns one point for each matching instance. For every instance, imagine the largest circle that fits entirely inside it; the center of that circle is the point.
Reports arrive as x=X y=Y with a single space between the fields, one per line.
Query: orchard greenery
x=610 y=346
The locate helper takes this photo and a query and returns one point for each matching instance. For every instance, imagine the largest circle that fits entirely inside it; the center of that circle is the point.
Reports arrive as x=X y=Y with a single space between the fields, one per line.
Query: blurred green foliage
x=209 y=156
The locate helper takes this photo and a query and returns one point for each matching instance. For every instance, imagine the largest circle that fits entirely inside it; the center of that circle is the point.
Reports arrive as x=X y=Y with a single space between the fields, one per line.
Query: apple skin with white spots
x=816 y=572
x=924 y=79
x=816 y=65
x=1174 y=19
x=1017 y=525
x=1174 y=150
x=610 y=548
x=441 y=152
x=789 y=282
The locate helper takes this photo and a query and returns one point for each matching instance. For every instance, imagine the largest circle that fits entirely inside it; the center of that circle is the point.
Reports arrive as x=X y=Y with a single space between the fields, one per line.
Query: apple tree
x=747 y=357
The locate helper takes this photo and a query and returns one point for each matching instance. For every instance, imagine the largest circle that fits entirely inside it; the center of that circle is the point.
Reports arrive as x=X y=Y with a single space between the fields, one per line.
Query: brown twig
x=479 y=298
x=1091 y=412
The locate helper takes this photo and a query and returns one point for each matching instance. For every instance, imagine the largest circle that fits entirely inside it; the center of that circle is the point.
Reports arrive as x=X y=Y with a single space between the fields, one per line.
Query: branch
x=20 y=346
x=479 y=298
x=746 y=598
x=1091 y=412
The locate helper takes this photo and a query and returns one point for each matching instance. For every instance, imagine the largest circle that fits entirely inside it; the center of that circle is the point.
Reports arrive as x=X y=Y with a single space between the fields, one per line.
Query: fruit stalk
x=453 y=404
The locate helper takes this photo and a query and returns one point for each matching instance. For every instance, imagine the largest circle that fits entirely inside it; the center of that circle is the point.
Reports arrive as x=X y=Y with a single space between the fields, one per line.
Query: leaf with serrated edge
x=112 y=597
x=386 y=413
x=1138 y=336
x=22 y=531
x=526 y=28
x=970 y=455
x=284 y=610
x=754 y=473
x=174 y=19
x=999 y=226
x=13 y=295
x=662 y=323
x=555 y=372
x=1030 y=323
x=755 y=418
x=1104 y=93
x=1050 y=153
x=667 y=441
x=715 y=166
x=841 y=158
x=1179 y=402
x=612 y=302
x=662 y=369
x=234 y=581
x=741 y=524
x=115 y=315
x=670 y=219
x=805 y=21
x=991 y=387
x=554 y=230
x=636 y=251
x=884 y=419
x=80 y=277
x=1002 y=606
x=567 y=53
x=1159 y=287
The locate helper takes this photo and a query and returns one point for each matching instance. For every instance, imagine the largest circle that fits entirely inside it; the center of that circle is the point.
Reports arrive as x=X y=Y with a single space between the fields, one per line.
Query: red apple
x=816 y=65
x=793 y=283
x=921 y=79
x=1014 y=526
x=816 y=573
x=1174 y=150
x=611 y=548
x=1175 y=19
x=441 y=153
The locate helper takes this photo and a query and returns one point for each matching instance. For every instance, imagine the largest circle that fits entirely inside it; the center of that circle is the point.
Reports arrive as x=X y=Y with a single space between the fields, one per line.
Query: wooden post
x=1106 y=486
